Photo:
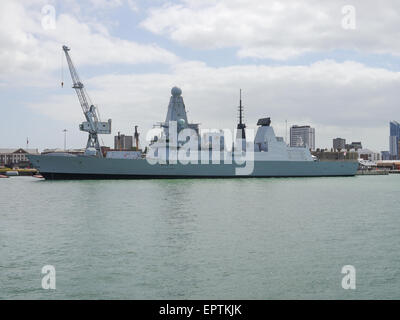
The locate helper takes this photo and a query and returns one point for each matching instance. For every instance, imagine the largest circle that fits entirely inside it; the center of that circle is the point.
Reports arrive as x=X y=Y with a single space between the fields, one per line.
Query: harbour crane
x=93 y=124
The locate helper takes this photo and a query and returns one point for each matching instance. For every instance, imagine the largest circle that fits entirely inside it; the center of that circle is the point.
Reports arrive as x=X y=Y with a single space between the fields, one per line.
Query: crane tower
x=93 y=124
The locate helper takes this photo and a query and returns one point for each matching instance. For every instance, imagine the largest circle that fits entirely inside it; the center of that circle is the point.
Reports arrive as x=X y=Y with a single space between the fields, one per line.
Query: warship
x=181 y=150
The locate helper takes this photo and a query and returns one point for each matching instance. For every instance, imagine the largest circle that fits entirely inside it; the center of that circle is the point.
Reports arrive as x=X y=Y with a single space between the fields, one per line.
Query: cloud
x=28 y=48
x=106 y=4
x=347 y=99
x=278 y=29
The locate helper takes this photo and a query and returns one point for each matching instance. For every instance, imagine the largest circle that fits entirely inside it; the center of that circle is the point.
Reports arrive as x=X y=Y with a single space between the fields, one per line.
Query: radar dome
x=175 y=91
x=181 y=122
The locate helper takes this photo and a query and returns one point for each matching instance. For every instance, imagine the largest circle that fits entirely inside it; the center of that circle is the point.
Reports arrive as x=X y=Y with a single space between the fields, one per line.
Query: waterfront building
x=123 y=142
x=302 y=136
x=394 y=140
x=339 y=144
x=367 y=154
x=389 y=164
x=15 y=157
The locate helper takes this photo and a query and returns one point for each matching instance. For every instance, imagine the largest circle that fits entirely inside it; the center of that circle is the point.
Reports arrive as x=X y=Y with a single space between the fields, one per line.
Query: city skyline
x=130 y=53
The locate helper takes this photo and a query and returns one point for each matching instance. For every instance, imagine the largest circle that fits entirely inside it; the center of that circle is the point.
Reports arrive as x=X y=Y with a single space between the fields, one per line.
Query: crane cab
x=99 y=127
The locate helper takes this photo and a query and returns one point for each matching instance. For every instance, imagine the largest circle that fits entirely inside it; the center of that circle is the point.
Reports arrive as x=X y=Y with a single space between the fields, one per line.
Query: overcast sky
x=307 y=62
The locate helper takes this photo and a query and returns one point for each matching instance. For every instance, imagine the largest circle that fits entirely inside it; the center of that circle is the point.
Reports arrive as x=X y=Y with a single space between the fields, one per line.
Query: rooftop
x=18 y=150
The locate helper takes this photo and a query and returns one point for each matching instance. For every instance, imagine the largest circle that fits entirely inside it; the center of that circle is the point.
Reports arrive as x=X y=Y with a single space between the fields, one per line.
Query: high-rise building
x=385 y=155
x=302 y=136
x=394 y=139
x=339 y=144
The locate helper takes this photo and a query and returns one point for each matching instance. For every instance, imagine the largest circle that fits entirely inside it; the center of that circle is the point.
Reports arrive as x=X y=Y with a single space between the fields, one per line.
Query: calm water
x=201 y=239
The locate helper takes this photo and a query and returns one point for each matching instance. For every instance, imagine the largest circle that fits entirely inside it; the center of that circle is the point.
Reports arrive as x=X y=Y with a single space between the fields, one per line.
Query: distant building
x=15 y=157
x=394 y=140
x=302 y=136
x=398 y=151
x=123 y=142
x=367 y=154
x=385 y=155
x=353 y=145
x=339 y=144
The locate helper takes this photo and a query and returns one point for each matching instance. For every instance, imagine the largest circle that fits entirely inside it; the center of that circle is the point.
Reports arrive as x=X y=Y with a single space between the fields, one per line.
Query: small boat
x=3 y=176
x=39 y=176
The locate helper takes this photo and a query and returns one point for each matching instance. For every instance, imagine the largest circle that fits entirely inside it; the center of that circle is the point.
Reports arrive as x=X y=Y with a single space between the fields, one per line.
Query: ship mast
x=241 y=132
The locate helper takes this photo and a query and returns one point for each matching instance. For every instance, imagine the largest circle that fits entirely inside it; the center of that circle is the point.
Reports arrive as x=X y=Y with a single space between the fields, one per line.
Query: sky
x=334 y=65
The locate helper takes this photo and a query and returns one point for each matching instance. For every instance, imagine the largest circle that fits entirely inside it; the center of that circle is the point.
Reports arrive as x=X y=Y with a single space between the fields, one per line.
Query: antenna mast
x=241 y=126
x=241 y=133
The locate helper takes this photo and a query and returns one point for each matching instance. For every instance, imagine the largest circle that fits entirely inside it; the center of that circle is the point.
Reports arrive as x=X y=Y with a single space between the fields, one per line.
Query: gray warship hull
x=86 y=167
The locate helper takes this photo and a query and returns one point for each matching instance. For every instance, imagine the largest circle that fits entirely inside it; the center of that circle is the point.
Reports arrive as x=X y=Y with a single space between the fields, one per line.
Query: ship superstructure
x=266 y=145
